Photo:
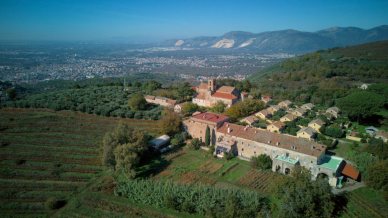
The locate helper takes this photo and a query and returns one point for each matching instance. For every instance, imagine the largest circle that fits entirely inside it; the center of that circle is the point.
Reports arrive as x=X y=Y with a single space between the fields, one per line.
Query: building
x=159 y=142
x=250 y=120
x=225 y=147
x=286 y=152
x=354 y=136
x=333 y=112
x=308 y=106
x=178 y=107
x=285 y=104
x=299 y=112
x=208 y=94
x=273 y=109
x=196 y=125
x=288 y=118
x=266 y=98
x=276 y=127
x=316 y=124
x=382 y=135
x=306 y=132
x=371 y=130
x=166 y=102
x=263 y=114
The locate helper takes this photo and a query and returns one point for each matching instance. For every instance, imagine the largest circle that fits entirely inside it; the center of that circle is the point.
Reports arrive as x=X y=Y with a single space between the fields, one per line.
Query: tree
x=11 y=93
x=137 y=102
x=189 y=108
x=219 y=107
x=262 y=162
x=184 y=91
x=150 y=86
x=361 y=104
x=195 y=144
x=300 y=197
x=332 y=131
x=378 y=148
x=363 y=161
x=244 y=108
x=123 y=148
x=378 y=175
x=170 y=122
x=207 y=136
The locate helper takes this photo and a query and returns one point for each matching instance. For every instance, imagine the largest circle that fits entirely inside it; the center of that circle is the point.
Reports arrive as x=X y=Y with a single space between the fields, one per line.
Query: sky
x=156 y=20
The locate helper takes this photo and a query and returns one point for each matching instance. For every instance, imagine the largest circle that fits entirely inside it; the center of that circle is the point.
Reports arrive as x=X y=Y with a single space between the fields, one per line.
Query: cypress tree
x=207 y=136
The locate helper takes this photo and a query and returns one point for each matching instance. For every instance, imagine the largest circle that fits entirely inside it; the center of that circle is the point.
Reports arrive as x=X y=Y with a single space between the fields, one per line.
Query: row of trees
x=196 y=199
x=105 y=101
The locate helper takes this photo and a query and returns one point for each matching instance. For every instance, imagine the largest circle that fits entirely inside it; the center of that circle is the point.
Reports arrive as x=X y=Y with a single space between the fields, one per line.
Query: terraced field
x=366 y=202
x=47 y=154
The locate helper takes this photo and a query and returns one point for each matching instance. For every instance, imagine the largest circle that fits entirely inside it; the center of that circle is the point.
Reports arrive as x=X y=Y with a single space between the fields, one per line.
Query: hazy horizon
x=152 y=21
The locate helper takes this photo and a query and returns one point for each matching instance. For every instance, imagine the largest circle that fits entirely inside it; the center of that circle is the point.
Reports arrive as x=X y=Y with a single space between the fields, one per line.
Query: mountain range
x=286 y=41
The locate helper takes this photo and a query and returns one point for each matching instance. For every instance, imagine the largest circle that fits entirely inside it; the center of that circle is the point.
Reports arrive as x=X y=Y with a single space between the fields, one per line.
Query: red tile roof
x=226 y=89
x=278 y=140
x=224 y=95
x=210 y=117
x=351 y=172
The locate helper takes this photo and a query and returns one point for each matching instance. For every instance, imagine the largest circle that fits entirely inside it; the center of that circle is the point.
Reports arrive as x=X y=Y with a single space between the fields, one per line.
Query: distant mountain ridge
x=287 y=41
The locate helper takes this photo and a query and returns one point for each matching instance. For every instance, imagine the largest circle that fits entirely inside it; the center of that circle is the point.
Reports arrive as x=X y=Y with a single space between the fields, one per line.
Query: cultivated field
x=365 y=202
x=188 y=166
x=47 y=154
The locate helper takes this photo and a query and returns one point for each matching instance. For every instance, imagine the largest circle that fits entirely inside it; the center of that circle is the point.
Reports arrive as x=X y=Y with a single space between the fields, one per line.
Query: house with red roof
x=208 y=94
x=196 y=125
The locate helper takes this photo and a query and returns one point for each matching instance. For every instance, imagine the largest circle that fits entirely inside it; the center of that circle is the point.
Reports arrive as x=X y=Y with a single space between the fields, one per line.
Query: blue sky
x=151 y=20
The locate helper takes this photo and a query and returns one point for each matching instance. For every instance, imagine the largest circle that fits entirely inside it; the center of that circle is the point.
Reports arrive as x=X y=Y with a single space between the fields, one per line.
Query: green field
x=52 y=154
x=191 y=166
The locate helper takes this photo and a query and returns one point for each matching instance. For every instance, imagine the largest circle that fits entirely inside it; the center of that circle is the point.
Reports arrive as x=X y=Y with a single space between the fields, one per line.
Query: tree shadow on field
x=153 y=167
x=340 y=204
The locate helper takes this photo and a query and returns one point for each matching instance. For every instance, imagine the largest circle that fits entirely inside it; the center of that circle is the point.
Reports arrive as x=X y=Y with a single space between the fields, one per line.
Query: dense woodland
x=324 y=76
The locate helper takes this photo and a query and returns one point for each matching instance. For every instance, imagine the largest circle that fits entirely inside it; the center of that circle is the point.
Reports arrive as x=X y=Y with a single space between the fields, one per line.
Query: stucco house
x=166 y=102
x=316 y=124
x=250 y=120
x=288 y=118
x=285 y=104
x=308 y=106
x=263 y=114
x=266 y=98
x=196 y=125
x=273 y=109
x=306 y=132
x=276 y=127
x=299 y=112
x=382 y=135
x=333 y=112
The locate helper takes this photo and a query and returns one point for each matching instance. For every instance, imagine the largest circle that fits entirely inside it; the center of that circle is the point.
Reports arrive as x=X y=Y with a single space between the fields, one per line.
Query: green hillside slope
x=322 y=76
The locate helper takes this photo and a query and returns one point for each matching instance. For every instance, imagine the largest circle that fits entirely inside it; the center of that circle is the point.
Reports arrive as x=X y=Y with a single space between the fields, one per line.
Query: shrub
x=53 y=203
x=195 y=144
x=262 y=162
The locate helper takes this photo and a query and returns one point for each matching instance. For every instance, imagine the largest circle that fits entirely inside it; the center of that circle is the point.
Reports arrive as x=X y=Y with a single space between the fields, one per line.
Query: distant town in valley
x=167 y=109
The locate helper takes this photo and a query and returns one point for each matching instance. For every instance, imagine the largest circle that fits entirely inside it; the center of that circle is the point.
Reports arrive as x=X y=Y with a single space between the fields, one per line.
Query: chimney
x=229 y=130
x=245 y=128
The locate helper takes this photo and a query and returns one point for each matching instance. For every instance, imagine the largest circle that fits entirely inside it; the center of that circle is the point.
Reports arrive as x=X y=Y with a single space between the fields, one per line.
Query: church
x=208 y=94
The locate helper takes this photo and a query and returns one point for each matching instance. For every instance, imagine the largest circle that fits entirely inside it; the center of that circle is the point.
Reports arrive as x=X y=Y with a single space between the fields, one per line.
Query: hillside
x=322 y=76
x=287 y=41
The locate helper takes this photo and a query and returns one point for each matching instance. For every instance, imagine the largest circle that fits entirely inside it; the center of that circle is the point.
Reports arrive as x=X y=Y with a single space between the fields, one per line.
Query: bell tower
x=211 y=84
